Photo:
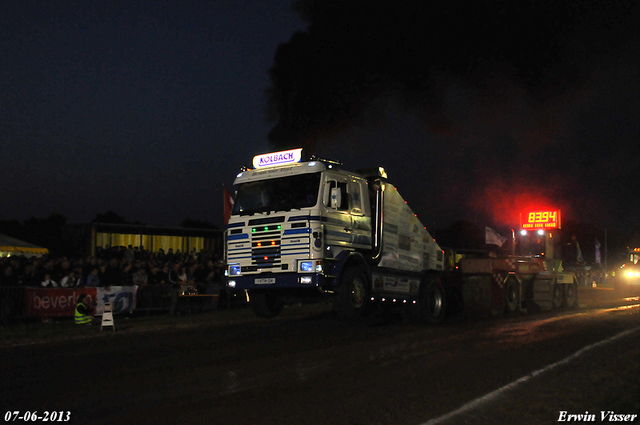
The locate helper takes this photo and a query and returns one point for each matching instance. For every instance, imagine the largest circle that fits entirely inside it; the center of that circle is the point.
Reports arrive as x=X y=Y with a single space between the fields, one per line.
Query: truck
x=498 y=286
x=308 y=229
x=628 y=274
x=535 y=279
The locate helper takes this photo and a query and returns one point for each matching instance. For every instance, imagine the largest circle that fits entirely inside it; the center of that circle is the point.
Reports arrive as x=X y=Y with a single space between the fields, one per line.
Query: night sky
x=142 y=108
x=477 y=110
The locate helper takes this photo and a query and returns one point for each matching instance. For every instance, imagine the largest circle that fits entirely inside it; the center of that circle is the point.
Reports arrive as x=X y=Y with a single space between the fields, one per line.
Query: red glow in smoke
x=503 y=202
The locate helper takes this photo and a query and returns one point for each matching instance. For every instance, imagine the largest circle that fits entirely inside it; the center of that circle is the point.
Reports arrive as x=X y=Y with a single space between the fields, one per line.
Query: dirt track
x=305 y=367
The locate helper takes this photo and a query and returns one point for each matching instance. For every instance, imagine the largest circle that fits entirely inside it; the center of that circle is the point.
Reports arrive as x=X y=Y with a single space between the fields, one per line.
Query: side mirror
x=336 y=197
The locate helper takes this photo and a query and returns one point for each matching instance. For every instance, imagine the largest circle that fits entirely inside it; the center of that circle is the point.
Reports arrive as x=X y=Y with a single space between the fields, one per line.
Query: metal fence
x=12 y=303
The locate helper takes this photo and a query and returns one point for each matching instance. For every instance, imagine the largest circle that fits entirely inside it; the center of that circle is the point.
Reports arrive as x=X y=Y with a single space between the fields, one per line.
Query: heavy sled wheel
x=265 y=304
x=558 y=295
x=571 y=295
x=352 y=294
x=433 y=300
x=511 y=295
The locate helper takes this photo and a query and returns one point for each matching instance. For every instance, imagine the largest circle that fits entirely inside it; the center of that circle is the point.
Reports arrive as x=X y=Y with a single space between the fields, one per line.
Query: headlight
x=234 y=270
x=311 y=266
x=231 y=284
x=632 y=274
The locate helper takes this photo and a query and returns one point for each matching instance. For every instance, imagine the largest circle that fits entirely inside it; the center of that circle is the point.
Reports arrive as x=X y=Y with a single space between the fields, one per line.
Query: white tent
x=12 y=246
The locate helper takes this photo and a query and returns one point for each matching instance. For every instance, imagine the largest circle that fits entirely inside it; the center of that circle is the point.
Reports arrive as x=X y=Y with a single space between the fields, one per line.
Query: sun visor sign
x=535 y=220
x=274 y=159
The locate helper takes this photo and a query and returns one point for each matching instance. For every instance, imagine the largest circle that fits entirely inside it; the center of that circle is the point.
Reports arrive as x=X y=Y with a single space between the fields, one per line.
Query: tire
x=571 y=295
x=558 y=296
x=433 y=300
x=352 y=299
x=265 y=304
x=511 y=295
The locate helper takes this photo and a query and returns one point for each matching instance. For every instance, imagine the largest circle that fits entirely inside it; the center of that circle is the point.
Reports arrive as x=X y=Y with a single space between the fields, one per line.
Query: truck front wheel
x=433 y=300
x=265 y=304
x=352 y=294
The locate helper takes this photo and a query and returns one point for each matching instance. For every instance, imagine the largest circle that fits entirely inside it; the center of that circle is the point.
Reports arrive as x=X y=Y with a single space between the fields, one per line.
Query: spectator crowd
x=115 y=266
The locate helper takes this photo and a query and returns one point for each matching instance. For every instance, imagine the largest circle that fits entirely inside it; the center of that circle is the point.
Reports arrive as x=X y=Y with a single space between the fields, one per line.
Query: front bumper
x=275 y=281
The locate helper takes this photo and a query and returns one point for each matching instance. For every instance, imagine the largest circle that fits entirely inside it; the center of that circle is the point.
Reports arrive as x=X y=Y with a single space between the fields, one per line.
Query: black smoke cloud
x=477 y=109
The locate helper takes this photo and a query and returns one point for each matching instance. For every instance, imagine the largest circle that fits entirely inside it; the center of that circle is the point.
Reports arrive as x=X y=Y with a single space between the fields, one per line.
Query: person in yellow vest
x=84 y=310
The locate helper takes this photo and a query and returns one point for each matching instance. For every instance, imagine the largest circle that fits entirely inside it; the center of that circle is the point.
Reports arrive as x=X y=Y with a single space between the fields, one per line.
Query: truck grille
x=269 y=245
x=265 y=246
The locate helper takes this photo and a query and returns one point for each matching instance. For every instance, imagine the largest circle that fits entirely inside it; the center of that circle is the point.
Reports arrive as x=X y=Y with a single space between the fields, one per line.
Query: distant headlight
x=231 y=284
x=632 y=274
x=234 y=270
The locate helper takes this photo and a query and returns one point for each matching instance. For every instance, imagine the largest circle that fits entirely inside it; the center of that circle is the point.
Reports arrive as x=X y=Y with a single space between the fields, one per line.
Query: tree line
x=49 y=232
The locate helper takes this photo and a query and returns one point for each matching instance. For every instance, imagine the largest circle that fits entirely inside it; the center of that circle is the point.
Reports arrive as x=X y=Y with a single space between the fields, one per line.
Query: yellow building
x=88 y=237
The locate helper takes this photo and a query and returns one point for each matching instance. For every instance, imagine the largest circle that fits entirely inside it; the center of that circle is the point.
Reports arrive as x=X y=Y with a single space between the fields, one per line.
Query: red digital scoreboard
x=540 y=219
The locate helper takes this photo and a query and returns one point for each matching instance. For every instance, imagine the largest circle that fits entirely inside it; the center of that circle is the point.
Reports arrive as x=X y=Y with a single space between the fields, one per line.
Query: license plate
x=264 y=281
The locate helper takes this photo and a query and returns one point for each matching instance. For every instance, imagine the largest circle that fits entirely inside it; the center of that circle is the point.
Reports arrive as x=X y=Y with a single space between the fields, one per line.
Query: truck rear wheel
x=352 y=294
x=511 y=295
x=571 y=295
x=558 y=296
x=433 y=300
x=265 y=304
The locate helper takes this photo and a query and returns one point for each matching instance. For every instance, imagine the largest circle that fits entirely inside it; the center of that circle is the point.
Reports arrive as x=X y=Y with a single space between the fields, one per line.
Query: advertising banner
x=55 y=302
x=122 y=299
x=59 y=302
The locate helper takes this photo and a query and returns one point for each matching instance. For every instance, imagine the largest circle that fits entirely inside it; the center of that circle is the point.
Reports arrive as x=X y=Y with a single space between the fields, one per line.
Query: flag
x=579 y=256
x=598 y=257
x=228 y=205
x=492 y=237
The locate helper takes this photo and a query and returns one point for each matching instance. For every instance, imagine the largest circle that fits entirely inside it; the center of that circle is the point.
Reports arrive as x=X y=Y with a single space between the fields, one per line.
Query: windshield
x=281 y=194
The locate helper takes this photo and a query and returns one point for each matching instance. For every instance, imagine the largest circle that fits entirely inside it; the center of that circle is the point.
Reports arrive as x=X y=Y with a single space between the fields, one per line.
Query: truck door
x=338 y=223
x=359 y=208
